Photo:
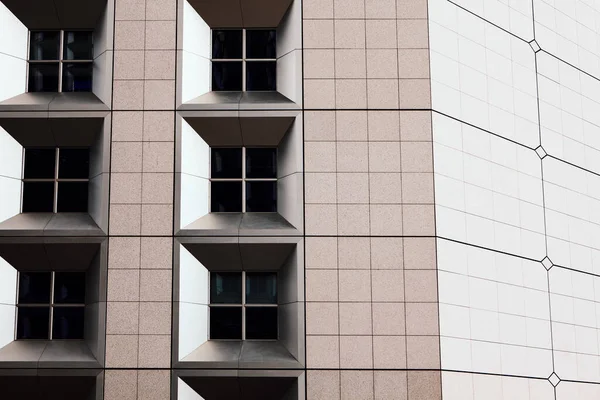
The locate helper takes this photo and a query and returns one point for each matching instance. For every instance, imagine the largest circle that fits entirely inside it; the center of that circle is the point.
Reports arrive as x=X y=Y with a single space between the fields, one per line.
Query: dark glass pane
x=43 y=77
x=261 y=75
x=72 y=197
x=33 y=323
x=77 y=77
x=261 y=288
x=40 y=163
x=38 y=197
x=44 y=45
x=34 y=288
x=227 y=44
x=226 y=322
x=226 y=197
x=68 y=323
x=261 y=322
x=225 y=288
x=261 y=163
x=78 y=46
x=226 y=163
x=261 y=196
x=74 y=163
x=226 y=76
x=261 y=44
x=69 y=287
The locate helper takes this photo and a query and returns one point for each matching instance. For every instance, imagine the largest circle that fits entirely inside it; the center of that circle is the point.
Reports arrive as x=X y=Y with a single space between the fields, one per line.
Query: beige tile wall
x=371 y=279
x=138 y=332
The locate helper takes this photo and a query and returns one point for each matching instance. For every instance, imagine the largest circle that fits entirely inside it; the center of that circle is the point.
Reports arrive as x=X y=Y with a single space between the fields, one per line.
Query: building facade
x=300 y=199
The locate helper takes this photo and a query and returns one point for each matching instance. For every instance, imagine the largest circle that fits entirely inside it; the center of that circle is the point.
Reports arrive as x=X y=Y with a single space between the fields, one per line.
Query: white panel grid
x=570 y=30
x=482 y=75
x=465 y=386
x=488 y=190
x=495 y=308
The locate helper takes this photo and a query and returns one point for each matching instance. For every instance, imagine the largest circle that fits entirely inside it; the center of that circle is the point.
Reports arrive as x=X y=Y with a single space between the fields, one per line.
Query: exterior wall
x=515 y=123
x=138 y=348
x=371 y=286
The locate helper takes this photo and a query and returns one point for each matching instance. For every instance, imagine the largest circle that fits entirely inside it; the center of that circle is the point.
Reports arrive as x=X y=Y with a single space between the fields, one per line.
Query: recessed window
x=243 y=305
x=60 y=61
x=56 y=180
x=243 y=179
x=244 y=59
x=51 y=305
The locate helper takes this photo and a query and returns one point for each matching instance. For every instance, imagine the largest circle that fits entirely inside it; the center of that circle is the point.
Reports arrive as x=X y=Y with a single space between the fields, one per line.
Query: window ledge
x=50 y=102
x=47 y=14
x=240 y=101
x=240 y=354
x=50 y=224
x=47 y=354
x=239 y=224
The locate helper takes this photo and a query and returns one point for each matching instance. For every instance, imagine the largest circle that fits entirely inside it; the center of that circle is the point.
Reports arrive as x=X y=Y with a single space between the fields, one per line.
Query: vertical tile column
x=138 y=350
x=371 y=280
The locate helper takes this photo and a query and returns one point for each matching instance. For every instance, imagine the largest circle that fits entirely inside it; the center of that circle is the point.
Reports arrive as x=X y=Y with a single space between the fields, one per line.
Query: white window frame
x=243 y=305
x=61 y=60
x=51 y=305
x=243 y=60
x=55 y=180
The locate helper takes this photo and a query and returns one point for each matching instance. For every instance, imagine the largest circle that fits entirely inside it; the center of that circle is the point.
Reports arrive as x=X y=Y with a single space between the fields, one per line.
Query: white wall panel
x=8 y=283
x=13 y=41
x=579 y=391
x=465 y=386
x=7 y=324
x=10 y=197
x=195 y=55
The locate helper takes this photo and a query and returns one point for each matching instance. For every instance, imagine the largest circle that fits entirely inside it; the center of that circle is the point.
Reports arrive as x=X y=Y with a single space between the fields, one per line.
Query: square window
x=34 y=287
x=226 y=44
x=226 y=76
x=44 y=45
x=226 y=288
x=261 y=43
x=226 y=196
x=73 y=163
x=33 y=322
x=39 y=163
x=69 y=287
x=77 y=77
x=261 y=163
x=261 y=196
x=38 y=197
x=226 y=163
x=261 y=288
x=261 y=76
x=261 y=323
x=72 y=197
x=68 y=323
x=226 y=322
x=78 y=45
x=43 y=77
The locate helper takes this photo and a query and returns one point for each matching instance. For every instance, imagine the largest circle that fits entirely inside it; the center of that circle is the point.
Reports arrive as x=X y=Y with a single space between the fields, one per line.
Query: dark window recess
x=44 y=45
x=226 y=76
x=261 y=163
x=226 y=322
x=72 y=197
x=77 y=77
x=39 y=163
x=34 y=287
x=43 y=77
x=261 y=196
x=226 y=288
x=261 y=44
x=261 y=322
x=69 y=288
x=261 y=288
x=74 y=163
x=68 y=323
x=226 y=196
x=226 y=44
x=33 y=322
x=78 y=45
x=38 y=197
x=226 y=163
x=261 y=76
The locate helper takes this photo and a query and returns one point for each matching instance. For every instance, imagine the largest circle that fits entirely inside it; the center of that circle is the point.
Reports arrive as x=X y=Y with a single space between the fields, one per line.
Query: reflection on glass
x=43 y=77
x=225 y=288
x=226 y=44
x=77 y=77
x=68 y=323
x=226 y=163
x=261 y=43
x=69 y=287
x=261 y=196
x=226 y=76
x=34 y=288
x=261 y=76
x=44 y=45
x=33 y=322
x=261 y=288
x=261 y=163
x=78 y=45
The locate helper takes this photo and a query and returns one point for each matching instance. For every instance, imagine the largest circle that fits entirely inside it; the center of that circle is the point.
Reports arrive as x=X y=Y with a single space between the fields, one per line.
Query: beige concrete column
x=138 y=350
